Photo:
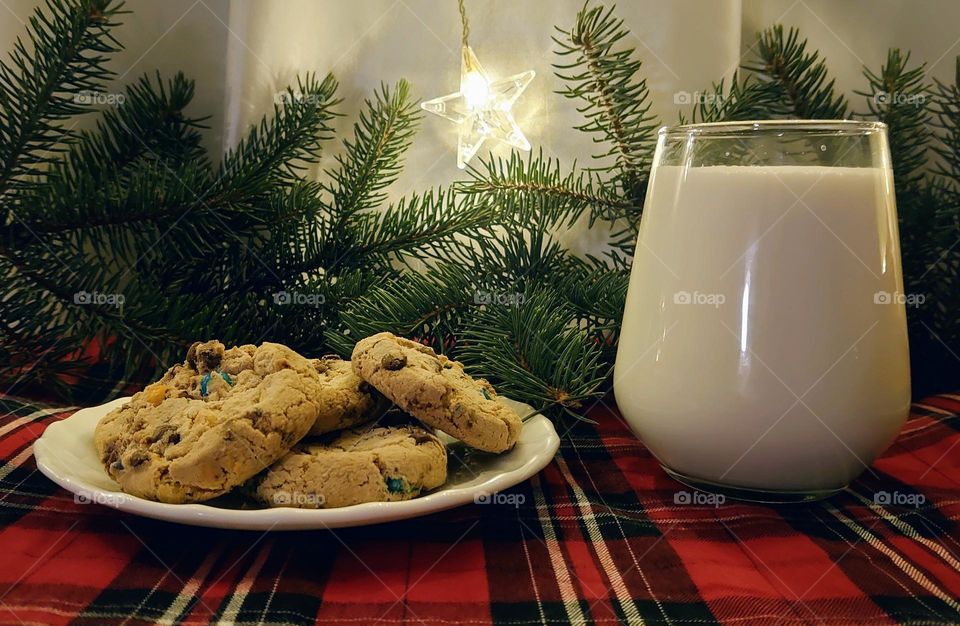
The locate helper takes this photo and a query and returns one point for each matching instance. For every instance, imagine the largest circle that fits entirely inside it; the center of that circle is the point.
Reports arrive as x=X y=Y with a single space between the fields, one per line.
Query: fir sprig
x=942 y=253
x=536 y=191
x=63 y=58
x=422 y=227
x=80 y=191
x=745 y=99
x=805 y=88
x=947 y=123
x=529 y=348
x=130 y=236
x=597 y=295
x=278 y=148
x=601 y=74
x=372 y=160
x=897 y=96
x=427 y=306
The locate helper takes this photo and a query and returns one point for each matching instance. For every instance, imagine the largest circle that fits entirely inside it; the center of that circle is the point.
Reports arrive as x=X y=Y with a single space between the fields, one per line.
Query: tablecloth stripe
x=597 y=537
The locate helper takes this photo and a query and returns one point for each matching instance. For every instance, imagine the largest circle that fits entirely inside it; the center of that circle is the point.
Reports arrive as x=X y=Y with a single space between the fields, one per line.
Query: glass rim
x=752 y=127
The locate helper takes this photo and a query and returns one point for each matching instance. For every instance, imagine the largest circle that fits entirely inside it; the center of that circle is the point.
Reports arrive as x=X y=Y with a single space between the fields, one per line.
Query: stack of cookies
x=292 y=431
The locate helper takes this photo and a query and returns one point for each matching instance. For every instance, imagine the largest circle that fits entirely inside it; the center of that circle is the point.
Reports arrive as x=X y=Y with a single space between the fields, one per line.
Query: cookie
x=345 y=399
x=437 y=391
x=210 y=423
x=380 y=464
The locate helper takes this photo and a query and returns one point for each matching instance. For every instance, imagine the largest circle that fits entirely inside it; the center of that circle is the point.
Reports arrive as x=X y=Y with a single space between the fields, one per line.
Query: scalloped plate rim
x=536 y=447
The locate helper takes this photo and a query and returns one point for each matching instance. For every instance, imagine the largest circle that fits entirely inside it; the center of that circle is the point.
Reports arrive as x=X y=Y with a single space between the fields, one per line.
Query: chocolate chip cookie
x=437 y=391
x=210 y=423
x=380 y=464
x=345 y=399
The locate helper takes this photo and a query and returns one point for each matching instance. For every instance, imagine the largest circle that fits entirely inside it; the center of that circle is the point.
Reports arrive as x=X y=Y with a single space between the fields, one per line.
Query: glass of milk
x=764 y=345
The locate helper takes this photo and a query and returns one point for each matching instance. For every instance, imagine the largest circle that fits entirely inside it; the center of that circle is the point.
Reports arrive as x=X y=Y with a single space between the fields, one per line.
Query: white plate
x=66 y=454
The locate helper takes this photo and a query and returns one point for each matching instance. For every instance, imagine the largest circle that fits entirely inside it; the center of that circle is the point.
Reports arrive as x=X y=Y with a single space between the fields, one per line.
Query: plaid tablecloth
x=600 y=536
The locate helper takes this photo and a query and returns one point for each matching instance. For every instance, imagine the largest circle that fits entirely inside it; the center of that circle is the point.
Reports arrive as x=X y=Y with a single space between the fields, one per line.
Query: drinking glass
x=764 y=345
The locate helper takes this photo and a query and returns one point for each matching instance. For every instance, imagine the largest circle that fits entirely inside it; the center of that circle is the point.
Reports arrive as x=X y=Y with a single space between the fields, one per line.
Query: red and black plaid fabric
x=597 y=537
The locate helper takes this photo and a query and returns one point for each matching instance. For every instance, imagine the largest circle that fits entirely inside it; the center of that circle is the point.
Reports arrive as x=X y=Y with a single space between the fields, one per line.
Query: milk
x=758 y=347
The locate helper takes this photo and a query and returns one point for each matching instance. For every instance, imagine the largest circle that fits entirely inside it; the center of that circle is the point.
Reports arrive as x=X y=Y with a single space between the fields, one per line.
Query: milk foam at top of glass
x=764 y=343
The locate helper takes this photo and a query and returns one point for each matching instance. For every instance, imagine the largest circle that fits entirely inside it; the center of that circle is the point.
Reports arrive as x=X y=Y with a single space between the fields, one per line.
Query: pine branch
x=941 y=234
x=82 y=189
x=535 y=191
x=255 y=258
x=78 y=302
x=897 y=96
x=947 y=122
x=601 y=77
x=203 y=207
x=242 y=201
x=531 y=353
x=142 y=230
x=149 y=122
x=426 y=306
x=597 y=294
x=63 y=57
x=124 y=219
x=423 y=226
x=175 y=197
x=277 y=150
x=801 y=77
x=513 y=260
x=746 y=99
x=31 y=350
x=372 y=160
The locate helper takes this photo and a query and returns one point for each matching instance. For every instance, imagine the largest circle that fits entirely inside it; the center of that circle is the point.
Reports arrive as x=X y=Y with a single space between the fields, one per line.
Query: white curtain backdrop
x=241 y=52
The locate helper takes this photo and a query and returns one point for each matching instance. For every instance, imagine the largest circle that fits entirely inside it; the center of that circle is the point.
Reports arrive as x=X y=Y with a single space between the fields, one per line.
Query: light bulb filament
x=476 y=90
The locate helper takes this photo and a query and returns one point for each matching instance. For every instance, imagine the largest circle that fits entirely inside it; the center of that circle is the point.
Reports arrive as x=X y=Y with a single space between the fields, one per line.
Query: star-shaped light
x=481 y=108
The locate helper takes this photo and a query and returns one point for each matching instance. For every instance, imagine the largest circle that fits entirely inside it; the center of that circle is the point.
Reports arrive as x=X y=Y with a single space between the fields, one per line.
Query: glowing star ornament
x=481 y=108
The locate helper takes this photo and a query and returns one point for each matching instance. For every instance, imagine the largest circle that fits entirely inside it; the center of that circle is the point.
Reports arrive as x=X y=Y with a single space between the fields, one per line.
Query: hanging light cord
x=464 y=22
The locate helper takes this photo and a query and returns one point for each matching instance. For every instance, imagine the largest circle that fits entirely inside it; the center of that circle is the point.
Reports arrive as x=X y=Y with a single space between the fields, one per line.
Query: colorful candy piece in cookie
x=155 y=393
x=437 y=391
x=210 y=423
x=380 y=464
x=346 y=400
x=205 y=381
